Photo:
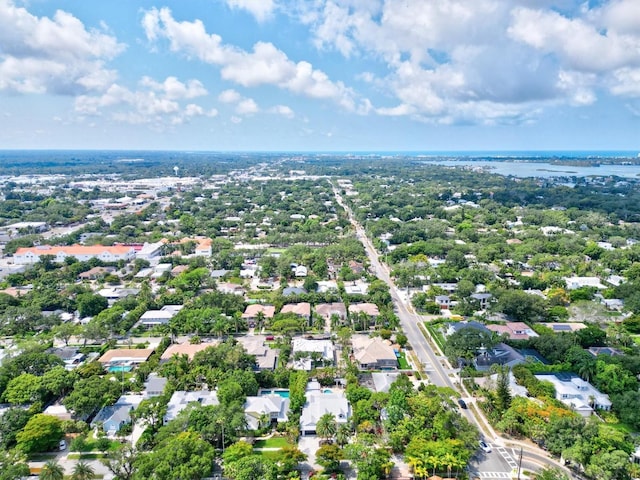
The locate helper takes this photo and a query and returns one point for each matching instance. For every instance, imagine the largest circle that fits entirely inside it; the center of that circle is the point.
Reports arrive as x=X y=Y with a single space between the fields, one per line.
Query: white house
x=272 y=406
x=31 y=255
x=580 y=282
x=577 y=394
x=180 y=399
x=154 y=318
x=319 y=403
x=324 y=347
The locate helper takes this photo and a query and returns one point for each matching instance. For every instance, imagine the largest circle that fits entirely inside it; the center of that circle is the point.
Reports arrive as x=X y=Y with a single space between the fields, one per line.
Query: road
x=501 y=461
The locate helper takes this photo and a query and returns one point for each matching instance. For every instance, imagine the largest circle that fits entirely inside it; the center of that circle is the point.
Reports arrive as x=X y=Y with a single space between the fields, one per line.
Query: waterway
x=542 y=169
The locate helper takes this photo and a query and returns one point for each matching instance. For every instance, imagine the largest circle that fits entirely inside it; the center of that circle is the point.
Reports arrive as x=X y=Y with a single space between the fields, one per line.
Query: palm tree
x=51 y=471
x=327 y=426
x=83 y=471
x=342 y=434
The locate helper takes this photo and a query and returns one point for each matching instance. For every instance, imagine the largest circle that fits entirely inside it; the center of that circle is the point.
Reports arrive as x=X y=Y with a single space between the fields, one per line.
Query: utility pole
x=519 y=463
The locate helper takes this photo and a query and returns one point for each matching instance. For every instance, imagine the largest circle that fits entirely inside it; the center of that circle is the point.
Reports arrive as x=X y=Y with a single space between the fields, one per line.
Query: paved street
x=500 y=462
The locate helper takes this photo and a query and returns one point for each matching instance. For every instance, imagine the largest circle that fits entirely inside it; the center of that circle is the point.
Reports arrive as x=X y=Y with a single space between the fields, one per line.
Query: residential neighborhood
x=293 y=325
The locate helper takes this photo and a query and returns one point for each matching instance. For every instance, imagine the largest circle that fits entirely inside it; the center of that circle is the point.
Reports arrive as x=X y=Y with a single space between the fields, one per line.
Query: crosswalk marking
x=494 y=475
x=507 y=456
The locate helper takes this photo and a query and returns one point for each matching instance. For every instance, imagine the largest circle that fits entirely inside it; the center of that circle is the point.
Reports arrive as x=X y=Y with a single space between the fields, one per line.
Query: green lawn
x=274 y=442
x=273 y=455
x=434 y=330
x=402 y=362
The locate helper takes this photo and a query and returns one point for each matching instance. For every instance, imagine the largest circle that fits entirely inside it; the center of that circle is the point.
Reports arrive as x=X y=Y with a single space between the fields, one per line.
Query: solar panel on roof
x=562 y=328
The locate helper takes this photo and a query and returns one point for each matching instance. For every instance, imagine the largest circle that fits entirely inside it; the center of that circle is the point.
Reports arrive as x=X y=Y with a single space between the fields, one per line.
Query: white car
x=485 y=446
x=63 y=445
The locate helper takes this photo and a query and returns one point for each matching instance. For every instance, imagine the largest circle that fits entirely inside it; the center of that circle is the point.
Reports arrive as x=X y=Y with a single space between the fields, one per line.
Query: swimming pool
x=120 y=368
x=282 y=393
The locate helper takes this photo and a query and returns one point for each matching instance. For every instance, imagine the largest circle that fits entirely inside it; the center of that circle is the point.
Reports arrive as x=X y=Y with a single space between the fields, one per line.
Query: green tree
x=328 y=457
x=83 y=471
x=327 y=426
x=236 y=451
x=183 y=456
x=65 y=331
x=551 y=473
x=503 y=393
x=253 y=467
x=23 y=389
x=41 y=434
x=90 y=394
x=13 y=420
x=121 y=462
x=467 y=342
x=13 y=466
x=51 y=471
x=90 y=305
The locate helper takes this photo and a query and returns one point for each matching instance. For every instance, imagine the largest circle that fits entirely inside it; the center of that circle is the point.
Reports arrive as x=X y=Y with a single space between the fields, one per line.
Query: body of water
x=543 y=169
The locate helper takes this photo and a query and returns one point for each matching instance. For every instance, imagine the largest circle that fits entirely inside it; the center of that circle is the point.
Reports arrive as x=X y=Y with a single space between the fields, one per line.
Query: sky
x=320 y=75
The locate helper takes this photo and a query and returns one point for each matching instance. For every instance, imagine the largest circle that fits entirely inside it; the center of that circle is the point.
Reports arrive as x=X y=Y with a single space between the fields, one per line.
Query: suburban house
x=266 y=357
x=121 y=357
x=370 y=309
x=581 y=282
x=251 y=313
x=610 y=351
x=483 y=299
x=501 y=354
x=382 y=380
x=300 y=271
x=181 y=399
x=155 y=318
x=117 y=293
x=114 y=417
x=443 y=301
x=564 y=327
x=95 y=273
x=154 y=386
x=323 y=349
x=451 y=328
x=356 y=288
x=514 y=330
x=31 y=255
x=71 y=356
x=327 y=310
x=580 y=396
x=373 y=353
x=291 y=291
x=203 y=247
x=226 y=287
x=186 y=348
x=271 y=407
x=319 y=403
x=302 y=310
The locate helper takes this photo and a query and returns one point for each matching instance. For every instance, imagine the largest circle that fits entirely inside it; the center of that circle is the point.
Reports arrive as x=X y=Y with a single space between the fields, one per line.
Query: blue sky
x=297 y=75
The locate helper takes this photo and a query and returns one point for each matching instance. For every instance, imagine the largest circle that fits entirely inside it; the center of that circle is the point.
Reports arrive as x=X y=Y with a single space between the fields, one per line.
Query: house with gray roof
x=319 y=403
x=114 y=417
x=181 y=399
x=271 y=407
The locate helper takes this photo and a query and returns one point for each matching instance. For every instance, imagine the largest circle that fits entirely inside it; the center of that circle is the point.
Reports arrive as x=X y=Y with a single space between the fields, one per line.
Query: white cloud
x=260 y=9
x=248 y=106
x=229 y=96
x=578 y=43
x=482 y=61
x=154 y=103
x=283 y=110
x=52 y=55
x=175 y=89
x=264 y=65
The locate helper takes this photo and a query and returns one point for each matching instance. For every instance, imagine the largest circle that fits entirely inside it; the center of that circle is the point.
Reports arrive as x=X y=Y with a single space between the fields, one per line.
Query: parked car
x=485 y=446
x=462 y=403
x=62 y=445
